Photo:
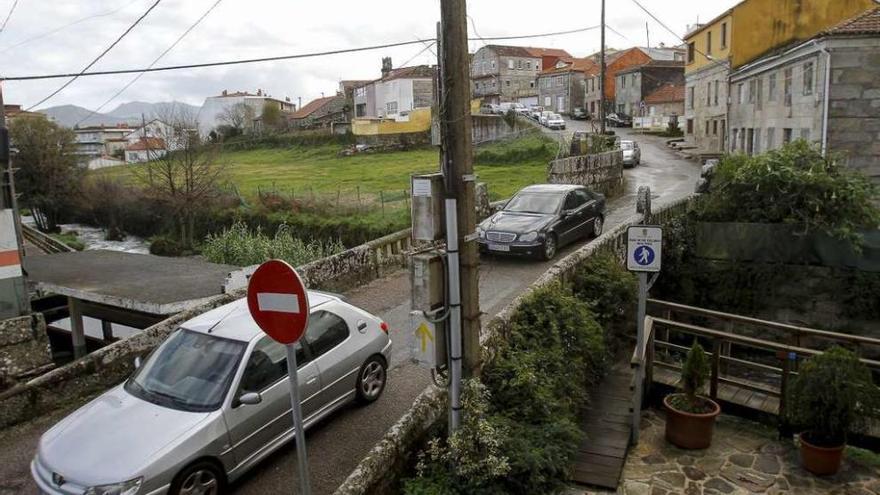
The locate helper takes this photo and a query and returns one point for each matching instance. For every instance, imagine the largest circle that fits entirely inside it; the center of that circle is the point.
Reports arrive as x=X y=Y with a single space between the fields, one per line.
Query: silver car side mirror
x=250 y=398
x=137 y=362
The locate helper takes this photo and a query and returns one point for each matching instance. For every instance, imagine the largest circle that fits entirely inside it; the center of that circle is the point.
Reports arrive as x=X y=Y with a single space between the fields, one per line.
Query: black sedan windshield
x=189 y=371
x=546 y=204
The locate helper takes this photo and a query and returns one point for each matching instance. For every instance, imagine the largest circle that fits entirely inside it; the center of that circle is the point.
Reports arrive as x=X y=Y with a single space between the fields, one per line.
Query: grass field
x=318 y=171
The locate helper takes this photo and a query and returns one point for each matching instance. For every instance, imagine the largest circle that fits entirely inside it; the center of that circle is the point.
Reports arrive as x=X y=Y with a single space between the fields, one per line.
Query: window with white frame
x=786 y=87
x=753 y=90
x=690 y=102
x=391 y=107
x=510 y=63
x=808 y=78
x=708 y=93
x=741 y=93
x=717 y=85
x=771 y=87
x=771 y=138
x=548 y=101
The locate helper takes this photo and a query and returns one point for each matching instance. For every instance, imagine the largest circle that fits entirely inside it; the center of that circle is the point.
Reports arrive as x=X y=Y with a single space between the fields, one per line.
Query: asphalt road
x=338 y=444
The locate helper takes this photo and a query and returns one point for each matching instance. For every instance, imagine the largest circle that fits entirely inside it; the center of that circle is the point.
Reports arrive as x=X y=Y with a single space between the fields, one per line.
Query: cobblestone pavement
x=745 y=457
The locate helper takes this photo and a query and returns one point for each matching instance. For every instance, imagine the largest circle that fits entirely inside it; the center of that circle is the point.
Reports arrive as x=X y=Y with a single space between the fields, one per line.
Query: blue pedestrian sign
x=644 y=245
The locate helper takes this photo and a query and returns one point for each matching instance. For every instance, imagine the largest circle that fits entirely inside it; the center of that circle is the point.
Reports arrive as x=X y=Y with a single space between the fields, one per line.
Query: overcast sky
x=262 y=28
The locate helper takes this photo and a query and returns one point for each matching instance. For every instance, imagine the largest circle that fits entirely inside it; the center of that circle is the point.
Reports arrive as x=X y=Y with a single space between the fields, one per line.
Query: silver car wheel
x=201 y=482
x=372 y=380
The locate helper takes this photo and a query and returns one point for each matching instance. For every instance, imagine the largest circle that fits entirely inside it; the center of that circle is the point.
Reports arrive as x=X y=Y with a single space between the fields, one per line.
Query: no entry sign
x=278 y=301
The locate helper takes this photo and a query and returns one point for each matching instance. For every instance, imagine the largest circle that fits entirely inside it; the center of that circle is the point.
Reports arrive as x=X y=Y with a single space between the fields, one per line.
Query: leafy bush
x=165 y=246
x=538 y=382
x=610 y=290
x=832 y=395
x=71 y=239
x=237 y=245
x=797 y=185
x=694 y=373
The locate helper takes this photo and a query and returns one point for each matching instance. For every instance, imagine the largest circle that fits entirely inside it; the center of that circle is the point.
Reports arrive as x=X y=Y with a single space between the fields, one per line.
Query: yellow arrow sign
x=425 y=334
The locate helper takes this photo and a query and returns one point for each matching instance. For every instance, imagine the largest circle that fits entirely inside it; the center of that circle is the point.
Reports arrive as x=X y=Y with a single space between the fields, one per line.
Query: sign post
x=643 y=254
x=279 y=304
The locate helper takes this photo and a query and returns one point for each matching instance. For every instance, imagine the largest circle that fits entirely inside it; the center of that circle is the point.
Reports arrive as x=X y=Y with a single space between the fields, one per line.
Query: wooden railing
x=45 y=243
x=775 y=354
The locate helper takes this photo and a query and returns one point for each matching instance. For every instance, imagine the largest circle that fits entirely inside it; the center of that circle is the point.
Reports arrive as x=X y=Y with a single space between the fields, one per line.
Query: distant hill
x=126 y=113
x=134 y=109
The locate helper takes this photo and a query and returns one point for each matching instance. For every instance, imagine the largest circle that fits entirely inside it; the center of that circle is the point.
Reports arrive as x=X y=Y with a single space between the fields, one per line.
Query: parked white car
x=535 y=112
x=546 y=114
x=555 y=121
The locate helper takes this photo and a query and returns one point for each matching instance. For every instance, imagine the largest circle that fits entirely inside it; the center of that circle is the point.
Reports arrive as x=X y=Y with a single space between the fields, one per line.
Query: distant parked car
x=535 y=112
x=540 y=219
x=632 y=154
x=546 y=114
x=520 y=109
x=489 y=108
x=211 y=402
x=578 y=113
x=555 y=121
x=619 y=120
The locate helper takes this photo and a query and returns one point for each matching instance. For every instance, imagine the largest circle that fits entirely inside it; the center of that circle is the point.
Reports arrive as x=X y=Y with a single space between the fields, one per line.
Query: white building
x=214 y=106
x=397 y=92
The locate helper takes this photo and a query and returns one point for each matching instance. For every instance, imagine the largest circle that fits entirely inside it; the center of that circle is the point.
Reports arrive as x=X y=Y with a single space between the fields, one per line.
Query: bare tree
x=187 y=176
x=237 y=116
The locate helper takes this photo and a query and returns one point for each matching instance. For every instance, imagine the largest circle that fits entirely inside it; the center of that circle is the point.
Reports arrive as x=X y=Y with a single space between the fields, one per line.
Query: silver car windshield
x=626 y=145
x=546 y=204
x=190 y=371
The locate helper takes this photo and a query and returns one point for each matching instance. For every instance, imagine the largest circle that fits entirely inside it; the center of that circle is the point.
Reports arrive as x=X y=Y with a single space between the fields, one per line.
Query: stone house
x=634 y=84
x=396 y=93
x=561 y=87
x=824 y=90
x=319 y=112
x=664 y=105
x=616 y=62
x=509 y=73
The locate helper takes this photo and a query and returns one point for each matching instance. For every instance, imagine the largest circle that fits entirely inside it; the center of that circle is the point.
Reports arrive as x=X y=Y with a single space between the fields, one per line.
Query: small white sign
x=644 y=248
x=421 y=187
x=281 y=303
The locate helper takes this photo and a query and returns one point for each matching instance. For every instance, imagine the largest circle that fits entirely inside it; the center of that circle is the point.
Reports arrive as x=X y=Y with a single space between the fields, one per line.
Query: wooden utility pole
x=602 y=75
x=457 y=166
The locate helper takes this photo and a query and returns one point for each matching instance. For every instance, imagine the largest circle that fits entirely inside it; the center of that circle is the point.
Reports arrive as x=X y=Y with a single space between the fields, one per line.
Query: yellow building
x=712 y=39
x=418 y=120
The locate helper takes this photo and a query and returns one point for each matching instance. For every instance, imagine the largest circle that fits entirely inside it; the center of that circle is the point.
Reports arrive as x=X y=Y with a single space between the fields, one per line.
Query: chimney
x=225 y=92
x=287 y=99
x=386 y=66
x=259 y=92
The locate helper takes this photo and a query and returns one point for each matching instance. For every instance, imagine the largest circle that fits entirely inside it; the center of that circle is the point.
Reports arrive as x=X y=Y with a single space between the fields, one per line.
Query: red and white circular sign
x=278 y=301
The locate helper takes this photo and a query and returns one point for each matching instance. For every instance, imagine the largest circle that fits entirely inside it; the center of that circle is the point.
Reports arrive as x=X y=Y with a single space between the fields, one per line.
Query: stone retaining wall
x=601 y=172
x=24 y=346
x=74 y=383
x=381 y=469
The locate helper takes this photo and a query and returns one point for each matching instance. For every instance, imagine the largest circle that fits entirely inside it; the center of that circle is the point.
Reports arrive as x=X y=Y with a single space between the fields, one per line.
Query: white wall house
x=214 y=106
x=145 y=149
x=396 y=93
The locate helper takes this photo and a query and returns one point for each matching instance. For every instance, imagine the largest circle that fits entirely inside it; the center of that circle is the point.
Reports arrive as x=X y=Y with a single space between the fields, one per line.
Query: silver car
x=632 y=154
x=212 y=401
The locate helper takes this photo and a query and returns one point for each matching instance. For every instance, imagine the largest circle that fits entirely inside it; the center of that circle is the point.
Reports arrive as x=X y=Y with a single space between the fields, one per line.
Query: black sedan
x=540 y=219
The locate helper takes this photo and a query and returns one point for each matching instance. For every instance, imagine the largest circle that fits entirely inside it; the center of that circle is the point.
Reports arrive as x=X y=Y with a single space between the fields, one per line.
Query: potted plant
x=690 y=418
x=832 y=395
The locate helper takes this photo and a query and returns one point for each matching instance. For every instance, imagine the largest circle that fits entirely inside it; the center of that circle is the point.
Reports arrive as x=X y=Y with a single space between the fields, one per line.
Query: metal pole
x=454 y=304
x=602 y=75
x=640 y=367
x=299 y=432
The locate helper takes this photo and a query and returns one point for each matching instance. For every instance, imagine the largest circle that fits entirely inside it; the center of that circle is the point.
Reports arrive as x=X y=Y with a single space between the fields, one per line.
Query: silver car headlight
x=529 y=237
x=129 y=487
x=480 y=232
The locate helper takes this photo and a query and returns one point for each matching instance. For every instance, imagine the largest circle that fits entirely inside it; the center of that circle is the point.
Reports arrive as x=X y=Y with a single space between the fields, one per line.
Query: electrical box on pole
x=427 y=339
x=427 y=207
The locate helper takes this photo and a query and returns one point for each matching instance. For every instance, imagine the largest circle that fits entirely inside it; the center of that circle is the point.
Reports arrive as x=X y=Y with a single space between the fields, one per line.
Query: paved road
x=338 y=444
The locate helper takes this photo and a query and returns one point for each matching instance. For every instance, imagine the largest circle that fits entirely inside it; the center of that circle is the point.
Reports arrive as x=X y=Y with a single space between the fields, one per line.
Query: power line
x=11 y=10
x=423 y=50
x=154 y=62
x=65 y=26
x=708 y=57
x=99 y=57
x=274 y=59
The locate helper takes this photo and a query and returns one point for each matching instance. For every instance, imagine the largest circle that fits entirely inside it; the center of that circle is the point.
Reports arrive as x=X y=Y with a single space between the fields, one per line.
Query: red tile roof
x=584 y=65
x=868 y=22
x=144 y=144
x=670 y=93
x=552 y=52
x=528 y=51
x=414 y=72
x=312 y=107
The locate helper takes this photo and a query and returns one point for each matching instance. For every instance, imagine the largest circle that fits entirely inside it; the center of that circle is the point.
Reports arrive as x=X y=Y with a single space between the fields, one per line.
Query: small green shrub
x=694 y=373
x=71 y=239
x=610 y=290
x=165 y=246
x=833 y=395
x=239 y=246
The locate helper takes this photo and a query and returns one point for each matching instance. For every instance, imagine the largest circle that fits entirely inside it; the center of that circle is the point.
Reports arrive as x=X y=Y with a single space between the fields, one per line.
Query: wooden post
x=716 y=360
x=77 y=330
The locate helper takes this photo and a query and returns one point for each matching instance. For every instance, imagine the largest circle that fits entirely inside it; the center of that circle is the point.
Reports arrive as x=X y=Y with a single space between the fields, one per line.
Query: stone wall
x=73 y=384
x=24 y=347
x=601 y=172
x=382 y=468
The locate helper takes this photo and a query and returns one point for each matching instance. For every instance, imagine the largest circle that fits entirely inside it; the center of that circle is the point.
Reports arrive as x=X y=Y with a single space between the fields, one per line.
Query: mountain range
x=126 y=113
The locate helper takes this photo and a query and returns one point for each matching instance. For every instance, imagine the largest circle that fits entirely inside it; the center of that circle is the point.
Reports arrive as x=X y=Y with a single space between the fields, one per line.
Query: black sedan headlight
x=529 y=237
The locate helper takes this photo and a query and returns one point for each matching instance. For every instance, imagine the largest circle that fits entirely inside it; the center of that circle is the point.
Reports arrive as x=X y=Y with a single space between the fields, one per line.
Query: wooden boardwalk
x=607 y=424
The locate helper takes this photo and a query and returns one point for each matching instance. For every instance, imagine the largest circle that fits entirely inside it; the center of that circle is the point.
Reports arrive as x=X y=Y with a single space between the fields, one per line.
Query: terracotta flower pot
x=687 y=430
x=822 y=461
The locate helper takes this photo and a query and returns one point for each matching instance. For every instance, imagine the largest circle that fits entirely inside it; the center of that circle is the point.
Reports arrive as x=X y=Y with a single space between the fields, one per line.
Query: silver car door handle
x=311 y=380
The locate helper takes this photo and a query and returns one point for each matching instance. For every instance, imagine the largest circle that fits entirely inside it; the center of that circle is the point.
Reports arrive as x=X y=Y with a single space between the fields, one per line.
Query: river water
x=94 y=238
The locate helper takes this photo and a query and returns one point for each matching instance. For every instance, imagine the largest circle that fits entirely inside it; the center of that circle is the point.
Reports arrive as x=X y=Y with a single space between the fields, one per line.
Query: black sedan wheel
x=550 y=245
x=597 y=227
